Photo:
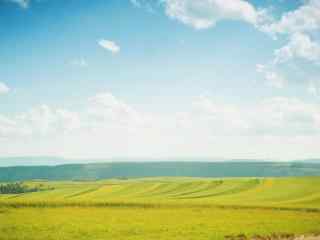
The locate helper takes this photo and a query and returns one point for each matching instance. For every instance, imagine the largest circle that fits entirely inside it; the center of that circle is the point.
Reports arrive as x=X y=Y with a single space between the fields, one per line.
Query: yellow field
x=163 y=208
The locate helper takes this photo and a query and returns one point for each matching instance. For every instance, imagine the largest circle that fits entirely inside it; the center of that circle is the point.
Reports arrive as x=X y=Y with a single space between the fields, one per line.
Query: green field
x=162 y=208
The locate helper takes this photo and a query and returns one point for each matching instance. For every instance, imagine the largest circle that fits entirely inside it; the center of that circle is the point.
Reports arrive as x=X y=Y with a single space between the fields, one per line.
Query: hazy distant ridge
x=153 y=169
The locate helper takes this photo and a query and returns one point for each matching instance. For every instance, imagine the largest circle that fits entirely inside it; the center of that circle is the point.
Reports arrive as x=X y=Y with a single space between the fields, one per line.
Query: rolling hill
x=96 y=171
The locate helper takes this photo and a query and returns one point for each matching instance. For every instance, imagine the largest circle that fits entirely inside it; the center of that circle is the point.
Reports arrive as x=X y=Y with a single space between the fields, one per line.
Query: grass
x=163 y=208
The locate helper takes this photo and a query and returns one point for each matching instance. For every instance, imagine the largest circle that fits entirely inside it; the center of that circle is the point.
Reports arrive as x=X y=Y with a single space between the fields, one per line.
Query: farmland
x=162 y=208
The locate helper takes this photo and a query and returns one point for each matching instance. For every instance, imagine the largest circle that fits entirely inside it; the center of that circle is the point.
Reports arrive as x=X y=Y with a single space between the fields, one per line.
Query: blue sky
x=160 y=78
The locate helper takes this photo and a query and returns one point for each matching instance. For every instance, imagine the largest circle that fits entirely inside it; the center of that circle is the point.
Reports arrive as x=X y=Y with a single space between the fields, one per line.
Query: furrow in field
x=171 y=188
x=183 y=188
x=203 y=187
x=136 y=190
x=122 y=190
x=227 y=189
x=282 y=191
x=101 y=193
x=264 y=192
x=147 y=189
x=160 y=187
x=83 y=192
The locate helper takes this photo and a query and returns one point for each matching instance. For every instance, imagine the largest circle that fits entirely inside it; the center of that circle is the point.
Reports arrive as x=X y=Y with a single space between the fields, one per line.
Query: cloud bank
x=108 y=126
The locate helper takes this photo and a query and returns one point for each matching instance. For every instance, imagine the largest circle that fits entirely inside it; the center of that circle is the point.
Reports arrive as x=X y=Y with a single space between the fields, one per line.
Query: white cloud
x=144 y=4
x=275 y=80
x=314 y=88
x=287 y=116
x=217 y=118
x=21 y=3
x=298 y=24
x=106 y=107
x=260 y=68
x=277 y=116
x=4 y=88
x=304 y=19
x=299 y=46
x=272 y=78
x=136 y=3
x=81 y=62
x=205 y=116
x=200 y=128
x=44 y=121
x=109 y=45
x=68 y=120
x=108 y=126
x=9 y=128
x=203 y=14
x=301 y=27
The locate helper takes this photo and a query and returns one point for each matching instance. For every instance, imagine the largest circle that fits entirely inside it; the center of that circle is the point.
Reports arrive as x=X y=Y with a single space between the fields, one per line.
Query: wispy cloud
x=104 y=113
x=81 y=62
x=108 y=126
x=109 y=45
x=314 y=88
x=4 y=88
x=271 y=77
x=301 y=46
x=204 y=14
x=136 y=3
x=148 y=5
x=21 y=3
x=303 y=19
x=300 y=27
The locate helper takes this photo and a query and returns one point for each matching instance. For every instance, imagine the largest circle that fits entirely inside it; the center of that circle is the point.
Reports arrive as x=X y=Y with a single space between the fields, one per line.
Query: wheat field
x=162 y=208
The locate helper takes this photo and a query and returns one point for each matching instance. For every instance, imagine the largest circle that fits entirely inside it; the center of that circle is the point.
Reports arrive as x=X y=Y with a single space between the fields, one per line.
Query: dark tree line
x=16 y=188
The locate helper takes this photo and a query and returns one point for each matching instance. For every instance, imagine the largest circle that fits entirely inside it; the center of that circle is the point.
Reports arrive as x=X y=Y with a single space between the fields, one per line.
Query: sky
x=160 y=78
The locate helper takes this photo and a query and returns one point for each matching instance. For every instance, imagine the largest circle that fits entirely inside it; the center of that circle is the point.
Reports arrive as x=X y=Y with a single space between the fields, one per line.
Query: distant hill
x=154 y=169
x=310 y=161
x=31 y=161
